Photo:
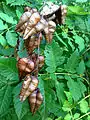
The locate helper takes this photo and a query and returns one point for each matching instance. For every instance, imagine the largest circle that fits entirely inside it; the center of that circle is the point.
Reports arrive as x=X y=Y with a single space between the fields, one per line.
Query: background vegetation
x=65 y=77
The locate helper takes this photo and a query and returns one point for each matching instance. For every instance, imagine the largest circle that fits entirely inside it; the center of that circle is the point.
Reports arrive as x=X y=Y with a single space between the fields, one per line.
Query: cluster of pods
x=32 y=26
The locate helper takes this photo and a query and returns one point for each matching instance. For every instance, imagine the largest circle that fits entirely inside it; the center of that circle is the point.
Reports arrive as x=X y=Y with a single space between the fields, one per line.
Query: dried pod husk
x=24 y=18
x=38 y=62
x=22 y=29
x=29 y=44
x=41 y=25
x=48 y=36
x=26 y=65
x=41 y=61
x=35 y=100
x=34 y=19
x=31 y=30
x=49 y=9
x=49 y=30
x=33 y=42
x=60 y=15
x=25 y=86
x=27 y=9
x=55 y=13
x=28 y=87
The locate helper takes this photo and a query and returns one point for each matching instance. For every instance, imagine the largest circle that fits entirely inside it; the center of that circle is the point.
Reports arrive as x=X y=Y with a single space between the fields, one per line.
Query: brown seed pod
x=33 y=42
x=49 y=30
x=25 y=65
x=29 y=85
x=54 y=12
x=25 y=86
x=35 y=100
x=24 y=18
x=30 y=30
x=41 y=61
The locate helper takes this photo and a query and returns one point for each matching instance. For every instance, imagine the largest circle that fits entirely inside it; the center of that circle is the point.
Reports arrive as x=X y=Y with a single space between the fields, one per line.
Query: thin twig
x=83 y=116
x=7 y=29
x=69 y=74
x=84 y=99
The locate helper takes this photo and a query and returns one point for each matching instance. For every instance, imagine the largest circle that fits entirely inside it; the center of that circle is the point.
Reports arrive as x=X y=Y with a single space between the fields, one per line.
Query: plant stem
x=71 y=115
x=83 y=116
x=69 y=74
x=84 y=98
x=8 y=29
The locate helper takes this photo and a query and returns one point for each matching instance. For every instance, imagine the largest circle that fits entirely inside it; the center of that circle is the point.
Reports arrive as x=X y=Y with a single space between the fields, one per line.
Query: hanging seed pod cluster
x=32 y=26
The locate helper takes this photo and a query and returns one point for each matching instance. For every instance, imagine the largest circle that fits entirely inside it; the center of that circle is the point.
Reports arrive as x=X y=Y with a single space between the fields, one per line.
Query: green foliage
x=21 y=108
x=84 y=106
x=55 y=52
x=64 y=81
x=11 y=38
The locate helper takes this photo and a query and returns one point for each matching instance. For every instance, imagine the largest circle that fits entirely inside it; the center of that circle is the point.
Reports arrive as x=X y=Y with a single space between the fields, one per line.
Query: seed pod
x=41 y=61
x=24 y=18
x=25 y=86
x=34 y=19
x=22 y=29
x=27 y=9
x=25 y=65
x=35 y=100
x=33 y=42
x=29 y=32
x=39 y=27
x=28 y=87
x=29 y=44
x=52 y=25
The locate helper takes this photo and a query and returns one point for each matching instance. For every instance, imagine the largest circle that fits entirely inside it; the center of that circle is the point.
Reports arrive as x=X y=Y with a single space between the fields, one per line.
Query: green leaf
x=81 y=1
x=29 y=116
x=6 y=51
x=60 y=92
x=77 y=10
x=54 y=56
x=8 y=69
x=72 y=62
x=57 y=36
x=69 y=97
x=68 y=117
x=76 y=115
x=81 y=85
x=81 y=68
x=84 y=106
x=48 y=118
x=74 y=88
x=2 y=40
x=11 y=38
x=19 y=2
x=9 y=1
x=7 y=18
x=88 y=63
x=80 y=41
x=88 y=118
x=3 y=81
x=71 y=43
x=21 y=108
x=10 y=115
x=60 y=118
x=43 y=108
x=10 y=11
x=66 y=106
x=18 y=13
x=5 y=98
x=3 y=26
